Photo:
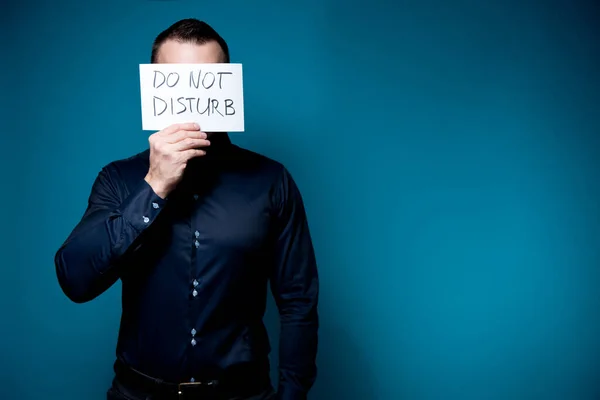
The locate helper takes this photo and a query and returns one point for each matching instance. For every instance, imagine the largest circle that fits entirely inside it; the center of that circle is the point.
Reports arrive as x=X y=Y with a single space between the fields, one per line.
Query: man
x=195 y=228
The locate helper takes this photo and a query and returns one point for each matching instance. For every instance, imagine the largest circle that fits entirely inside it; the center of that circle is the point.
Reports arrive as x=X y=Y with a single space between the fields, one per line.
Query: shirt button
x=197 y=244
x=195 y=283
x=146 y=219
x=155 y=204
x=197 y=234
x=193 y=342
x=195 y=197
x=195 y=293
x=193 y=332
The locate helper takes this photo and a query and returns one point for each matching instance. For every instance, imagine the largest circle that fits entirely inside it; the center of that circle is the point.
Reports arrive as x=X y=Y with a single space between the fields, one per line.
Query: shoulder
x=281 y=185
x=121 y=175
x=266 y=168
x=130 y=168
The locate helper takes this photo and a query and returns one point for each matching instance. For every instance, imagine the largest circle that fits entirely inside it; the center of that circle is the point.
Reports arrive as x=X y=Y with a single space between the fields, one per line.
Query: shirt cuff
x=142 y=206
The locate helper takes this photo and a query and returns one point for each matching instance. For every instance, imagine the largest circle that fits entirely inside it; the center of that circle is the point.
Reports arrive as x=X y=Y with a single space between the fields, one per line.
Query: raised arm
x=87 y=263
x=113 y=225
x=295 y=287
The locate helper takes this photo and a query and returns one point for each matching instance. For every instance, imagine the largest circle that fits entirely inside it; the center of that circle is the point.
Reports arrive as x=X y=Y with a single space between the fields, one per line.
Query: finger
x=189 y=126
x=193 y=153
x=187 y=144
x=180 y=135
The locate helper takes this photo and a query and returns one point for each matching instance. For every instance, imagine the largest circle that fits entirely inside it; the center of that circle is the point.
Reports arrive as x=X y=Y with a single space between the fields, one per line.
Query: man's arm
x=87 y=263
x=295 y=287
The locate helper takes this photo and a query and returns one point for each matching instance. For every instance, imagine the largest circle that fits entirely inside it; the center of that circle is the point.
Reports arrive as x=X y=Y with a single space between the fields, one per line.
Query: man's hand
x=170 y=150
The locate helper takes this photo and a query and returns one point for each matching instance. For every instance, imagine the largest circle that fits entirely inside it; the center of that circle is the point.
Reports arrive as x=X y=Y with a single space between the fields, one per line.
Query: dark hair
x=189 y=30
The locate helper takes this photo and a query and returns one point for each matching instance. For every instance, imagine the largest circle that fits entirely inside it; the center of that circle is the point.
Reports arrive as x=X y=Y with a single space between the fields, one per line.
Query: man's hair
x=189 y=30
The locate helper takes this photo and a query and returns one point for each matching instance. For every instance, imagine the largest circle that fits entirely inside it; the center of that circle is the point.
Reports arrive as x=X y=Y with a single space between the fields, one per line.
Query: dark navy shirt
x=195 y=267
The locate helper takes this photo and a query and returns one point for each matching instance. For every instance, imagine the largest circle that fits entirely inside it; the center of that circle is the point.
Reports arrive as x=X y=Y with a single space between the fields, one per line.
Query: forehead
x=174 y=52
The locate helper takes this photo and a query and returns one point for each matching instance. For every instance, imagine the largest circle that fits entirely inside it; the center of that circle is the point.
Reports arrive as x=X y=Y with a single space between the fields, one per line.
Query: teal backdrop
x=448 y=154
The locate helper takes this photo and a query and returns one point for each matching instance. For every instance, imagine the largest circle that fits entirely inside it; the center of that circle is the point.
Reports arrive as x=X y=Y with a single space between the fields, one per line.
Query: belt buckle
x=181 y=387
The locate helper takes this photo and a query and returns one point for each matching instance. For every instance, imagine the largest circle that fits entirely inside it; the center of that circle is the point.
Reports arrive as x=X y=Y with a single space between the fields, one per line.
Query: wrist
x=157 y=186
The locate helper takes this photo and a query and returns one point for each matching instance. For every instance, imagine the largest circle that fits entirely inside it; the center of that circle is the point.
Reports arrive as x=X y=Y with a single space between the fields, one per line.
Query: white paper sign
x=209 y=94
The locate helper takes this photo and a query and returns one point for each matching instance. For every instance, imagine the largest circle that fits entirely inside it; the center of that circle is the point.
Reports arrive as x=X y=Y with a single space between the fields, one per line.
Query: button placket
x=196 y=237
x=193 y=332
x=195 y=282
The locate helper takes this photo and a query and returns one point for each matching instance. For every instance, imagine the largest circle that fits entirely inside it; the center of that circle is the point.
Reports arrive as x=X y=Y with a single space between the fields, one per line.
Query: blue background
x=448 y=154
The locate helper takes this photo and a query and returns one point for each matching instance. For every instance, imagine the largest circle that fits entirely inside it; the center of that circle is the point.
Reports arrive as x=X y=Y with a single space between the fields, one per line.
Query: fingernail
x=197 y=126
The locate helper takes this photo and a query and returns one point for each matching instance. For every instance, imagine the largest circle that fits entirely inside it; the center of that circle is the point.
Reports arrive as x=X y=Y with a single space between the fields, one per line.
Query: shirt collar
x=219 y=143
x=219 y=149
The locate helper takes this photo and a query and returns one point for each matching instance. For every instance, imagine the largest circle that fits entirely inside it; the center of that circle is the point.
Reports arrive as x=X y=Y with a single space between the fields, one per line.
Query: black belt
x=240 y=381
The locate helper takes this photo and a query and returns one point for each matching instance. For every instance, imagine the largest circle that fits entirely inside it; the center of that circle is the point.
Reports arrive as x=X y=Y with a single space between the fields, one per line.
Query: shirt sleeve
x=88 y=262
x=295 y=287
